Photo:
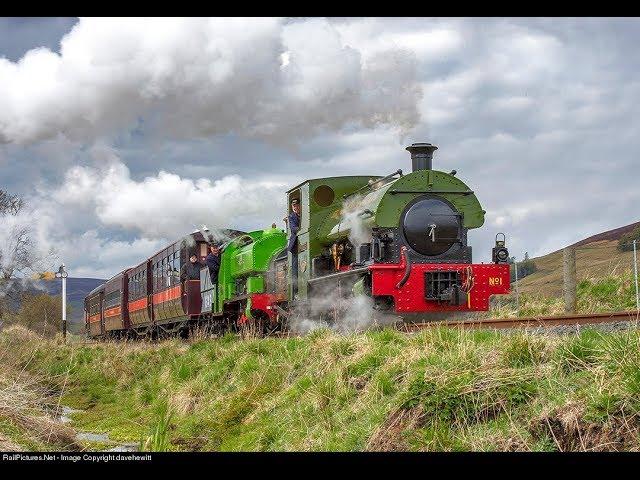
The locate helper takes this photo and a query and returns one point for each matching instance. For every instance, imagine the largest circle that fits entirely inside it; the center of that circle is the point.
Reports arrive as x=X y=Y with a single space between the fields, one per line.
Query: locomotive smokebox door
x=431 y=225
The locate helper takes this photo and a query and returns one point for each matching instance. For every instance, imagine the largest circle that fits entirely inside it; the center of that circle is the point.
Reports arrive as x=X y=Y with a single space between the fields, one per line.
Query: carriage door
x=149 y=292
x=102 y=328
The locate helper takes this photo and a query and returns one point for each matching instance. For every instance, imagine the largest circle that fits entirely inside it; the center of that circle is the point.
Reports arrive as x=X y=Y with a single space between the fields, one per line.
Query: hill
x=596 y=257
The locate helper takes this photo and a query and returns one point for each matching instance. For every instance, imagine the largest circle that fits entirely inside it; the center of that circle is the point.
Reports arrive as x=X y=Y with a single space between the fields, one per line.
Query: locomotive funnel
x=421 y=155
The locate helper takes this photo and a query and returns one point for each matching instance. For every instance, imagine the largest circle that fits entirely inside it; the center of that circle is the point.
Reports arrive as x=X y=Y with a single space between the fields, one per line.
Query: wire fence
x=607 y=274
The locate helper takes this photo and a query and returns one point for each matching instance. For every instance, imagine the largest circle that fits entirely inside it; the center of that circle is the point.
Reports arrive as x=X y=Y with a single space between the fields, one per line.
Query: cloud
x=167 y=205
x=190 y=78
x=92 y=255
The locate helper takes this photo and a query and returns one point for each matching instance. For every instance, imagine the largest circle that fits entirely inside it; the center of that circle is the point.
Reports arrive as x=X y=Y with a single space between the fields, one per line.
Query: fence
x=595 y=277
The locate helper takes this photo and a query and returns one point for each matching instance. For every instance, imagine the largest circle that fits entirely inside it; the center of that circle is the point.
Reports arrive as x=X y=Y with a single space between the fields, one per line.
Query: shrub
x=41 y=313
x=625 y=243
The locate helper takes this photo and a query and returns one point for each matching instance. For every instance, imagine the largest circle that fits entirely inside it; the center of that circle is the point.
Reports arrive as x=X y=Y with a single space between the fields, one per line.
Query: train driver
x=293 y=221
x=213 y=262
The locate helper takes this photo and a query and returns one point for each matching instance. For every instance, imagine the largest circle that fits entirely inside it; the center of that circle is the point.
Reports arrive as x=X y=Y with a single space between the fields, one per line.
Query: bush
x=41 y=313
x=625 y=244
x=526 y=267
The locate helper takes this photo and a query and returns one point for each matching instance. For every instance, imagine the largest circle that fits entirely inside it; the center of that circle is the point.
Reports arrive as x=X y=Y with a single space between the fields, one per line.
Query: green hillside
x=597 y=257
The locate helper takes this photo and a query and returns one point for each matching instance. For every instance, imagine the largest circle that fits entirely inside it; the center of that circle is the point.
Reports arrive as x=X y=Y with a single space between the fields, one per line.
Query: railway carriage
x=115 y=313
x=399 y=240
x=93 y=312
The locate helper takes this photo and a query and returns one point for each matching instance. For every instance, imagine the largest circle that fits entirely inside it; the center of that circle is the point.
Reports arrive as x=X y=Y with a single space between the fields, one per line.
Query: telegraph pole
x=62 y=273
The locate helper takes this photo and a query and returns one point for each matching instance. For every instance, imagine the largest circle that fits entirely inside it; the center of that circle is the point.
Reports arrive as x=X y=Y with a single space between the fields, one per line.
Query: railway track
x=499 y=323
x=532 y=322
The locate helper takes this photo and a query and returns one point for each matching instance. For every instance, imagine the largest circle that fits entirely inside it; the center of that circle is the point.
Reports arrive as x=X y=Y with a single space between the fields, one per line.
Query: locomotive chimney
x=421 y=155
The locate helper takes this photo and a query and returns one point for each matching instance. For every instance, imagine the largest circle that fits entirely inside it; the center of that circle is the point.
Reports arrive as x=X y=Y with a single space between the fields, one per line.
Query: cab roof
x=331 y=178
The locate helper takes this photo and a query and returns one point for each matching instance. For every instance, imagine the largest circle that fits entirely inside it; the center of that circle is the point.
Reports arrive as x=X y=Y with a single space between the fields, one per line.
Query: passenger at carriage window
x=168 y=276
x=191 y=270
x=213 y=262
x=175 y=276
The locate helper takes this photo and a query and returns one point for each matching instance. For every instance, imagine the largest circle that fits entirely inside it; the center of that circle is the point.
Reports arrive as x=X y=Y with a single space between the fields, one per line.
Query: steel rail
x=523 y=322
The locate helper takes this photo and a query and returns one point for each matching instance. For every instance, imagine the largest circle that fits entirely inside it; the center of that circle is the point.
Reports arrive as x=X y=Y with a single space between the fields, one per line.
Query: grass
x=441 y=389
x=609 y=293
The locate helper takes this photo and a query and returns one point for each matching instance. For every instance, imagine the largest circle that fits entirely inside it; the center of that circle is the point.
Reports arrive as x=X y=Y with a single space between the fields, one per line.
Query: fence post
x=635 y=274
x=569 y=283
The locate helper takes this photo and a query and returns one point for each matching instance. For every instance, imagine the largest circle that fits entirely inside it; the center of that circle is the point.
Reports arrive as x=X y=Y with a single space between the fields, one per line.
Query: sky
x=125 y=134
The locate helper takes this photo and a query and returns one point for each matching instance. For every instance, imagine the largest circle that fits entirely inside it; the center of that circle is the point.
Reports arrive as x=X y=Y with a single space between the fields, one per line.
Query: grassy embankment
x=441 y=389
x=28 y=408
x=605 y=283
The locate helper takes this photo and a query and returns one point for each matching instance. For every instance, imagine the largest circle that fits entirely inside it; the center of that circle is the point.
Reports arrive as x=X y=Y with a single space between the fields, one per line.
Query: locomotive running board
x=346 y=273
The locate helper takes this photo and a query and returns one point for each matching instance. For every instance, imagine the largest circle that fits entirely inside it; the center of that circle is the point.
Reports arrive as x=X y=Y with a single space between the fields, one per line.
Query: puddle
x=114 y=446
x=93 y=437
x=65 y=416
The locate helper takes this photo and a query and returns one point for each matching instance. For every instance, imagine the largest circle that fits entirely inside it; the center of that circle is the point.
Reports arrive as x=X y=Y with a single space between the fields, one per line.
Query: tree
x=526 y=267
x=40 y=313
x=18 y=252
x=16 y=242
x=625 y=243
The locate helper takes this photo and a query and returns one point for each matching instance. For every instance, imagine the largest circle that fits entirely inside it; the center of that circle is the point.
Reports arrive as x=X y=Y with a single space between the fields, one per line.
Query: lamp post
x=62 y=273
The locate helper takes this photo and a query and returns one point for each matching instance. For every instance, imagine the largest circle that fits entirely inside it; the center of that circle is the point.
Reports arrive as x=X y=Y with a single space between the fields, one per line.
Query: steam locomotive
x=399 y=241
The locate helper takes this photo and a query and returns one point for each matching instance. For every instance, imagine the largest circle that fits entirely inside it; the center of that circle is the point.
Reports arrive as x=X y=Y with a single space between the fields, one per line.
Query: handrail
x=369 y=185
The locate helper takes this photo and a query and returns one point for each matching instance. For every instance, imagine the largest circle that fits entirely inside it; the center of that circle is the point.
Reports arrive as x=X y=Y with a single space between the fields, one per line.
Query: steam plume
x=197 y=77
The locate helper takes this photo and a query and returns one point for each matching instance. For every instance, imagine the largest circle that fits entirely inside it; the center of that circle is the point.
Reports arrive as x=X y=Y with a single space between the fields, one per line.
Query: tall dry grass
x=29 y=408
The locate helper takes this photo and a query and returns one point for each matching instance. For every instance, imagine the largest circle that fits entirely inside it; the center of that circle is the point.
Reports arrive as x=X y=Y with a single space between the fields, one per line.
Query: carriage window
x=166 y=277
x=112 y=299
x=133 y=286
x=172 y=269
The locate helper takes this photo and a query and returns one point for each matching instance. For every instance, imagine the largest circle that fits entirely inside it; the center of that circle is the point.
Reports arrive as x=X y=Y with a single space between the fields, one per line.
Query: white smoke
x=197 y=77
x=329 y=307
x=353 y=218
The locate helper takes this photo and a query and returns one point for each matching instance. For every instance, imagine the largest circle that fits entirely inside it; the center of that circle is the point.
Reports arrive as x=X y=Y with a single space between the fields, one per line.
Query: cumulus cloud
x=92 y=255
x=167 y=205
x=187 y=78
x=99 y=220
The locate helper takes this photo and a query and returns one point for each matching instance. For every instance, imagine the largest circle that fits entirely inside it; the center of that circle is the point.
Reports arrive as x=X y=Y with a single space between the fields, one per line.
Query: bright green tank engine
x=243 y=278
